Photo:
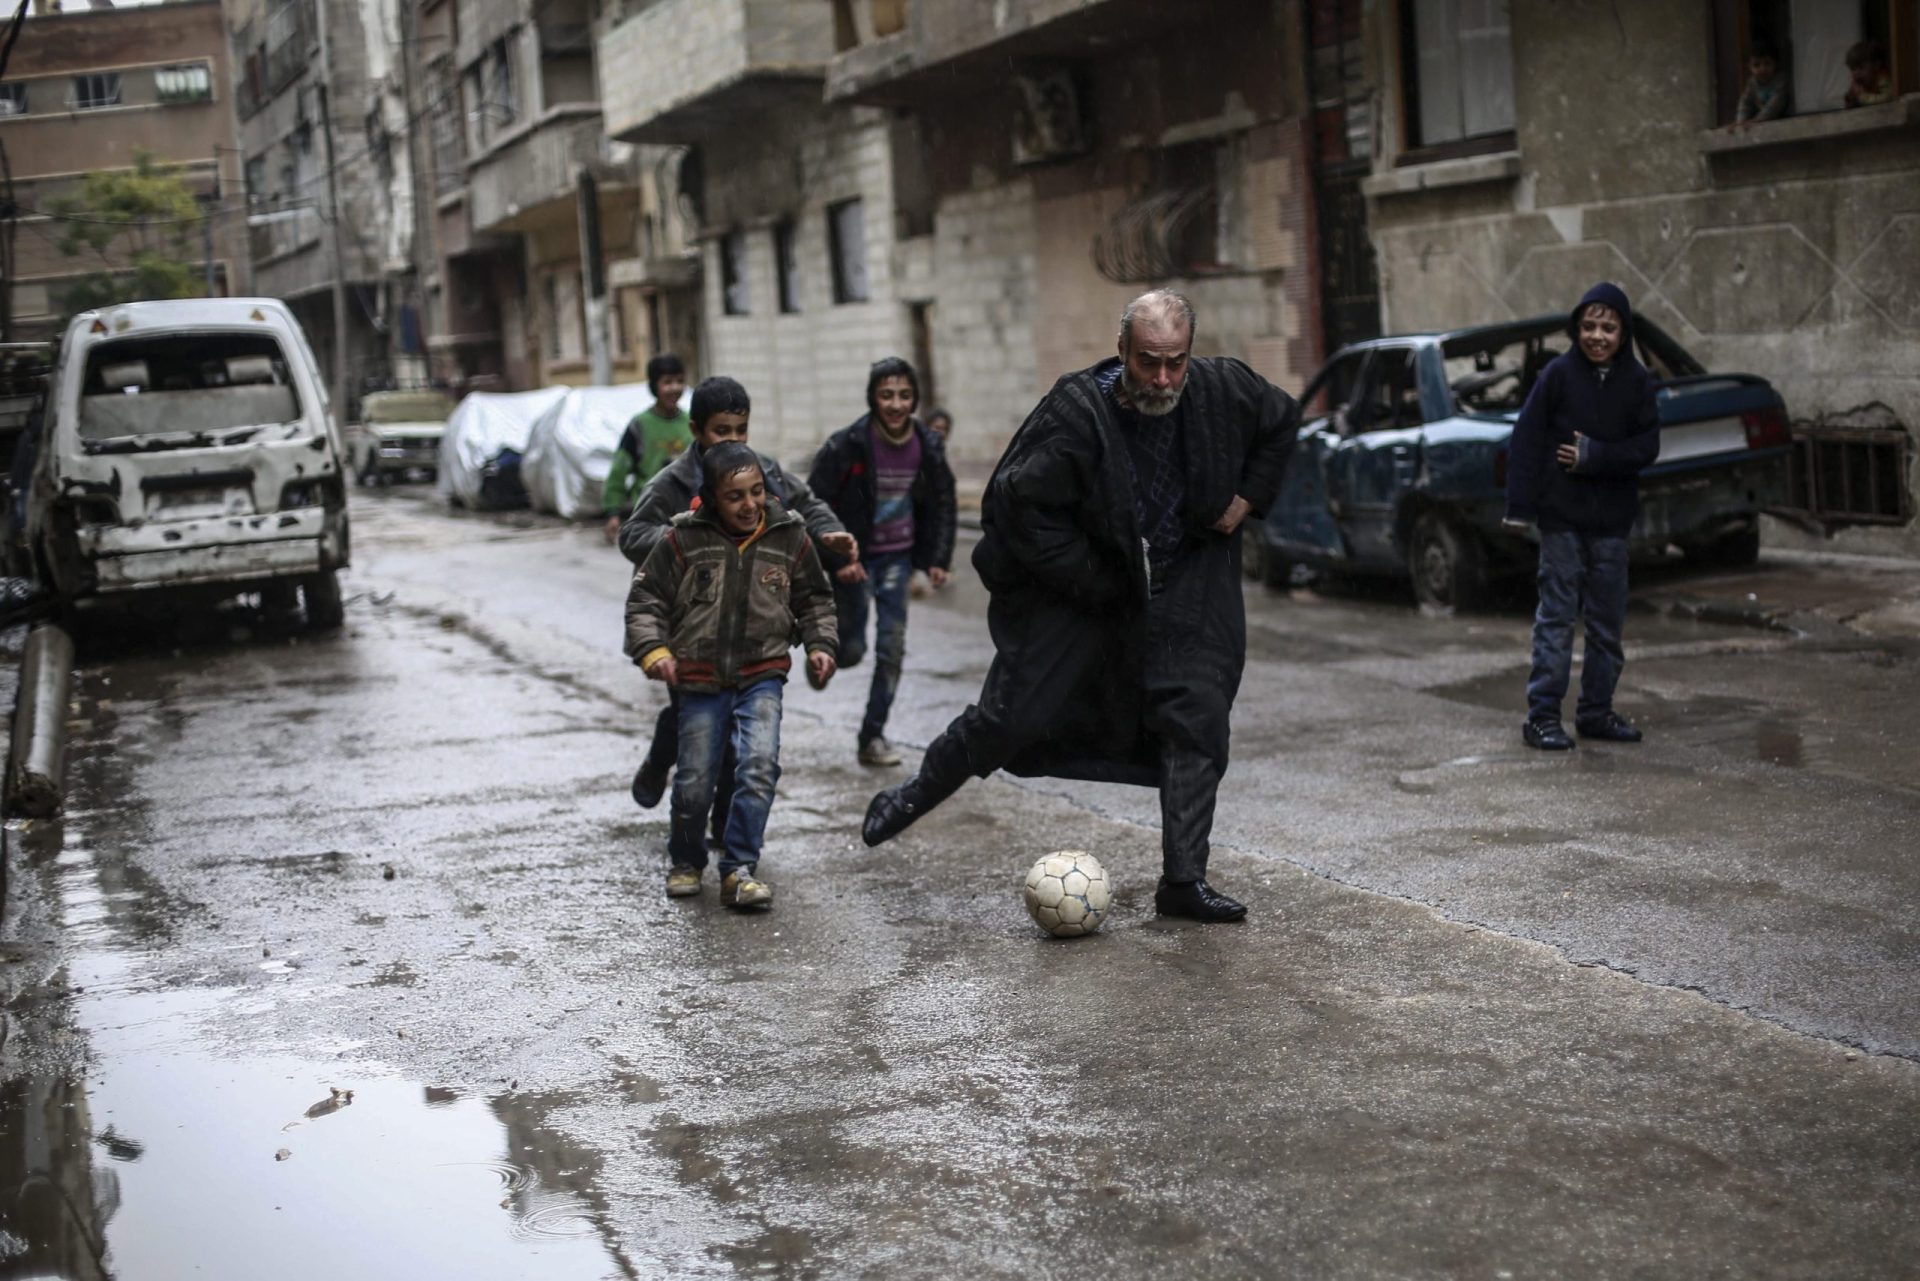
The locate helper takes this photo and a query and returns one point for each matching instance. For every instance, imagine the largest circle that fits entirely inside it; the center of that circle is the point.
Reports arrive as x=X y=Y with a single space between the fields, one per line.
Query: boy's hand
x=938 y=576
x=843 y=545
x=1568 y=456
x=613 y=528
x=854 y=573
x=820 y=668
x=665 y=669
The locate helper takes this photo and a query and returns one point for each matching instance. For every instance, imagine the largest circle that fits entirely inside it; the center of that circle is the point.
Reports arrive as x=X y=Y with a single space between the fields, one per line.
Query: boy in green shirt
x=654 y=438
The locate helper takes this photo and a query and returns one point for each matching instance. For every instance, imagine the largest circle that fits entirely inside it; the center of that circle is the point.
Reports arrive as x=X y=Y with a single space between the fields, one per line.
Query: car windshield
x=407 y=407
x=1491 y=371
x=183 y=389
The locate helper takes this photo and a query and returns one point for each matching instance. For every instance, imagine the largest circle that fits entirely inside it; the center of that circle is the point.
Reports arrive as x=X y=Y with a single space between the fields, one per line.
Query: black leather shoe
x=649 y=785
x=1610 y=726
x=1547 y=734
x=1196 y=900
x=890 y=813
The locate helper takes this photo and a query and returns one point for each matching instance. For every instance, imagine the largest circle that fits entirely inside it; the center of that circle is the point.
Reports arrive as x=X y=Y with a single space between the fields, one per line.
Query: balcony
x=943 y=47
x=513 y=186
x=705 y=65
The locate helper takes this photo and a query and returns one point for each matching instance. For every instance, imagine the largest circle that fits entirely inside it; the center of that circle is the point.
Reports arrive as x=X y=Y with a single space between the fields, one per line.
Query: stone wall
x=1791 y=251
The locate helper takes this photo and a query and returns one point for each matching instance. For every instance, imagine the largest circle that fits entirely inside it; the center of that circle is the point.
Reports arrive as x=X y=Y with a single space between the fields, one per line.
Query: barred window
x=95 y=90
x=13 y=99
x=192 y=82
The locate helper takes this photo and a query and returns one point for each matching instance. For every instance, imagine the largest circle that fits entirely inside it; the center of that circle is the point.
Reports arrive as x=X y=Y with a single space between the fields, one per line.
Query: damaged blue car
x=1401 y=464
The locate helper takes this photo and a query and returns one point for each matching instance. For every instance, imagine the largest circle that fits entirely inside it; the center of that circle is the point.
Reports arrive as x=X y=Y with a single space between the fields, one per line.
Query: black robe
x=1061 y=554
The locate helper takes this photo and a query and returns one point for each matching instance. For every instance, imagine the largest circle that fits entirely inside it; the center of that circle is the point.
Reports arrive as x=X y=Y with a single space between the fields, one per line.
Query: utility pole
x=339 y=255
x=420 y=244
x=206 y=227
x=593 y=275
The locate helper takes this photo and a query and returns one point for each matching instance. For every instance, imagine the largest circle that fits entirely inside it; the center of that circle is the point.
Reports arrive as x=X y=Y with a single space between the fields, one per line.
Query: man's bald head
x=1167 y=313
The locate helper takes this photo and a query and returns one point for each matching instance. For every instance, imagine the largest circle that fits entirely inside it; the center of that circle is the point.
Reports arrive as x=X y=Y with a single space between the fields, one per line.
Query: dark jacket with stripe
x=1058 y=525
x=842 y=477
x=727 y=611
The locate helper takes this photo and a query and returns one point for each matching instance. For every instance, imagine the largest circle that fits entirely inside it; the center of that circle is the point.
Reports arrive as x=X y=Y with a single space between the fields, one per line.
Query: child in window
x=1765 y=97
x=712 y=612
x=1872 y=80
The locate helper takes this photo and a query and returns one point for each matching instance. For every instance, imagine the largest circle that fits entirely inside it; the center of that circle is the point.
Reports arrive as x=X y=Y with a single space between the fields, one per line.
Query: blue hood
x=1611 y=295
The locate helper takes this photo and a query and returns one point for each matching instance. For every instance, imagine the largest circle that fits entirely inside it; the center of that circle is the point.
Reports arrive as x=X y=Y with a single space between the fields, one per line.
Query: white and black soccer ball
x=1068 y=893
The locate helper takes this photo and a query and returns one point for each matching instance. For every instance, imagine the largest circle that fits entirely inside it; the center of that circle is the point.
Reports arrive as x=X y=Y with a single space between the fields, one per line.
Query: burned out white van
x=188 y=444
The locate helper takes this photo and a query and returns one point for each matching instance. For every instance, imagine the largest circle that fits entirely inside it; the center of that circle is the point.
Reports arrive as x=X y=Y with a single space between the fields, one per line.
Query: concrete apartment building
x=1073 y=153
x=512 y=133
x=320 y=92
x=799 y=218
x=87 y=90
x=1521 y=151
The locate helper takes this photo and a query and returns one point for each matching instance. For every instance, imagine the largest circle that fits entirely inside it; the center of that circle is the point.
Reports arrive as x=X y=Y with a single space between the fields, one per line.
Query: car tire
x=1732 y=551
x=279 y=597
x=321 y=594
x=1448 y=565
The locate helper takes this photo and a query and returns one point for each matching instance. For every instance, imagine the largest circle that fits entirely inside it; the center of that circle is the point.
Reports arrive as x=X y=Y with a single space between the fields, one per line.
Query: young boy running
x=887 y=477
x=1589 y=426
x=721 y=411
x=656 y=436
x=712 y=613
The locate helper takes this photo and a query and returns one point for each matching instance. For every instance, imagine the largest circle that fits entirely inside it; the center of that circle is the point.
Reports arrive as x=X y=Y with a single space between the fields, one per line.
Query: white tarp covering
x=566 y=463
x=481 y=427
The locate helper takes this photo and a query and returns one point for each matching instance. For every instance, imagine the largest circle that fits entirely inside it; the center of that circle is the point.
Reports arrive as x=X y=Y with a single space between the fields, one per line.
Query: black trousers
x=664 y=751
x=1049 y=696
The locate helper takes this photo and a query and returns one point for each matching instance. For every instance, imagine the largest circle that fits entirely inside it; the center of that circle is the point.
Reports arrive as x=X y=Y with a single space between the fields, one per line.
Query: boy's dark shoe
x=741 y=889
x=1609 y=725
x=942 y=770
x=683 y=881
x=1547 y=734
x=1196 y=900
x=649 y=785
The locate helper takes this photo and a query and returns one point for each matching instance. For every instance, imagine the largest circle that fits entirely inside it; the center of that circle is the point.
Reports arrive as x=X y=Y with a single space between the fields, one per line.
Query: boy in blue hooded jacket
x=1590 y=425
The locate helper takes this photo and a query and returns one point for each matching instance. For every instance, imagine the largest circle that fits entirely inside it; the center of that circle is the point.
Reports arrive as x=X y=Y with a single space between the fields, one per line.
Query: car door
x=1301 y=522
x=1374 y=460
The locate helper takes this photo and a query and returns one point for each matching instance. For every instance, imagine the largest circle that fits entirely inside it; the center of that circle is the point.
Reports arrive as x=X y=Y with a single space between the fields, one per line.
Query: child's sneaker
x=683 y=881
x=743 y=890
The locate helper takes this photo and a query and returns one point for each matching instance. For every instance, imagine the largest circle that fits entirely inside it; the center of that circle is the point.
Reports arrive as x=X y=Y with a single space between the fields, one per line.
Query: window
x=1390 y=397
x=786 y=267
x=13 y=99
x=735 y=299
x=96 y=90
x=1334 y=388
x=1811 y=40
x=847 y=246
x=190 y=83
x=449 y=143
x=256 y=179
x=493 y=90
x=1457 y=67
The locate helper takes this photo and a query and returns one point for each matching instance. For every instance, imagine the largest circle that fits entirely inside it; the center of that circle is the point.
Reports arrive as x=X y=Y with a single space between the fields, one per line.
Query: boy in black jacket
x=887 y=479
x=1589 y=426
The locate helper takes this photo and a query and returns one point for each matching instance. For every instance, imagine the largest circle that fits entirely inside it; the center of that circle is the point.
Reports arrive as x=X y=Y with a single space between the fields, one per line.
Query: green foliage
x=143 y=228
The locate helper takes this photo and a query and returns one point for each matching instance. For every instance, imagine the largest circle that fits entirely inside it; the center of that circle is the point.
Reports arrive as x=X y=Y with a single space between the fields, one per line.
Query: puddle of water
x=169 y=1160
x=168 y=1150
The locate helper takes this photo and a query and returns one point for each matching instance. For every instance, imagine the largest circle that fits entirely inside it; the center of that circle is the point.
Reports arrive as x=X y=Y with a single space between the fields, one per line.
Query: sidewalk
x=1814 y=594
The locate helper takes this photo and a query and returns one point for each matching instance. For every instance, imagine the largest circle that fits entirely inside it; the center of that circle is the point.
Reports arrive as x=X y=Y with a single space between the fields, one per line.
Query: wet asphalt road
x=1642 y=1011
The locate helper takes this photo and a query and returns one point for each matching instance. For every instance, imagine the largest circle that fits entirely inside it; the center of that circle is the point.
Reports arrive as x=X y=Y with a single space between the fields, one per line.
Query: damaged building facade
x=329 y=181
x=1517 y=152
x=88 y=91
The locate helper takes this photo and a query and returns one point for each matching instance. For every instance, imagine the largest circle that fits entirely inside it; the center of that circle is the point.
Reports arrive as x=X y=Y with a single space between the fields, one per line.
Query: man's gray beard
x=1148 y=402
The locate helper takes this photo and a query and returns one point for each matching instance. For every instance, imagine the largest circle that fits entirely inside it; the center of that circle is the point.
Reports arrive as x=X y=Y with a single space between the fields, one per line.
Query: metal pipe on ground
x=37 y=764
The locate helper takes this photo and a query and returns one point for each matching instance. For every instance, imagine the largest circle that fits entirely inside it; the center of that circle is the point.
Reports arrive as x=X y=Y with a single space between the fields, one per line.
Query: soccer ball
x=1068 y=893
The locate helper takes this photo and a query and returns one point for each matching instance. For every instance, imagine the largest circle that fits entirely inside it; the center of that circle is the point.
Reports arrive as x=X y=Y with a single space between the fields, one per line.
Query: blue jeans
x=749 y=720
x=1582 y=577
x=888 y=577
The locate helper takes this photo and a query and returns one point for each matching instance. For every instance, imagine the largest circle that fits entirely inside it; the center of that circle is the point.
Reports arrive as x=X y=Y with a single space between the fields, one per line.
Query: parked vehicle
x=1401 y=462
x=188 y=444
x=398 y=432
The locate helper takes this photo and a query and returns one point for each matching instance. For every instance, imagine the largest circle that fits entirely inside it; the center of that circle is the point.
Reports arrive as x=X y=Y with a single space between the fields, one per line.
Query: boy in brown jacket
x=712 y=612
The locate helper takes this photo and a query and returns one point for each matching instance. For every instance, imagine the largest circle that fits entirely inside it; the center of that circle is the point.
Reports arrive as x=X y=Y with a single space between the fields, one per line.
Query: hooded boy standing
x=1590 y=425
x=887 y=478
x=713 y=612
